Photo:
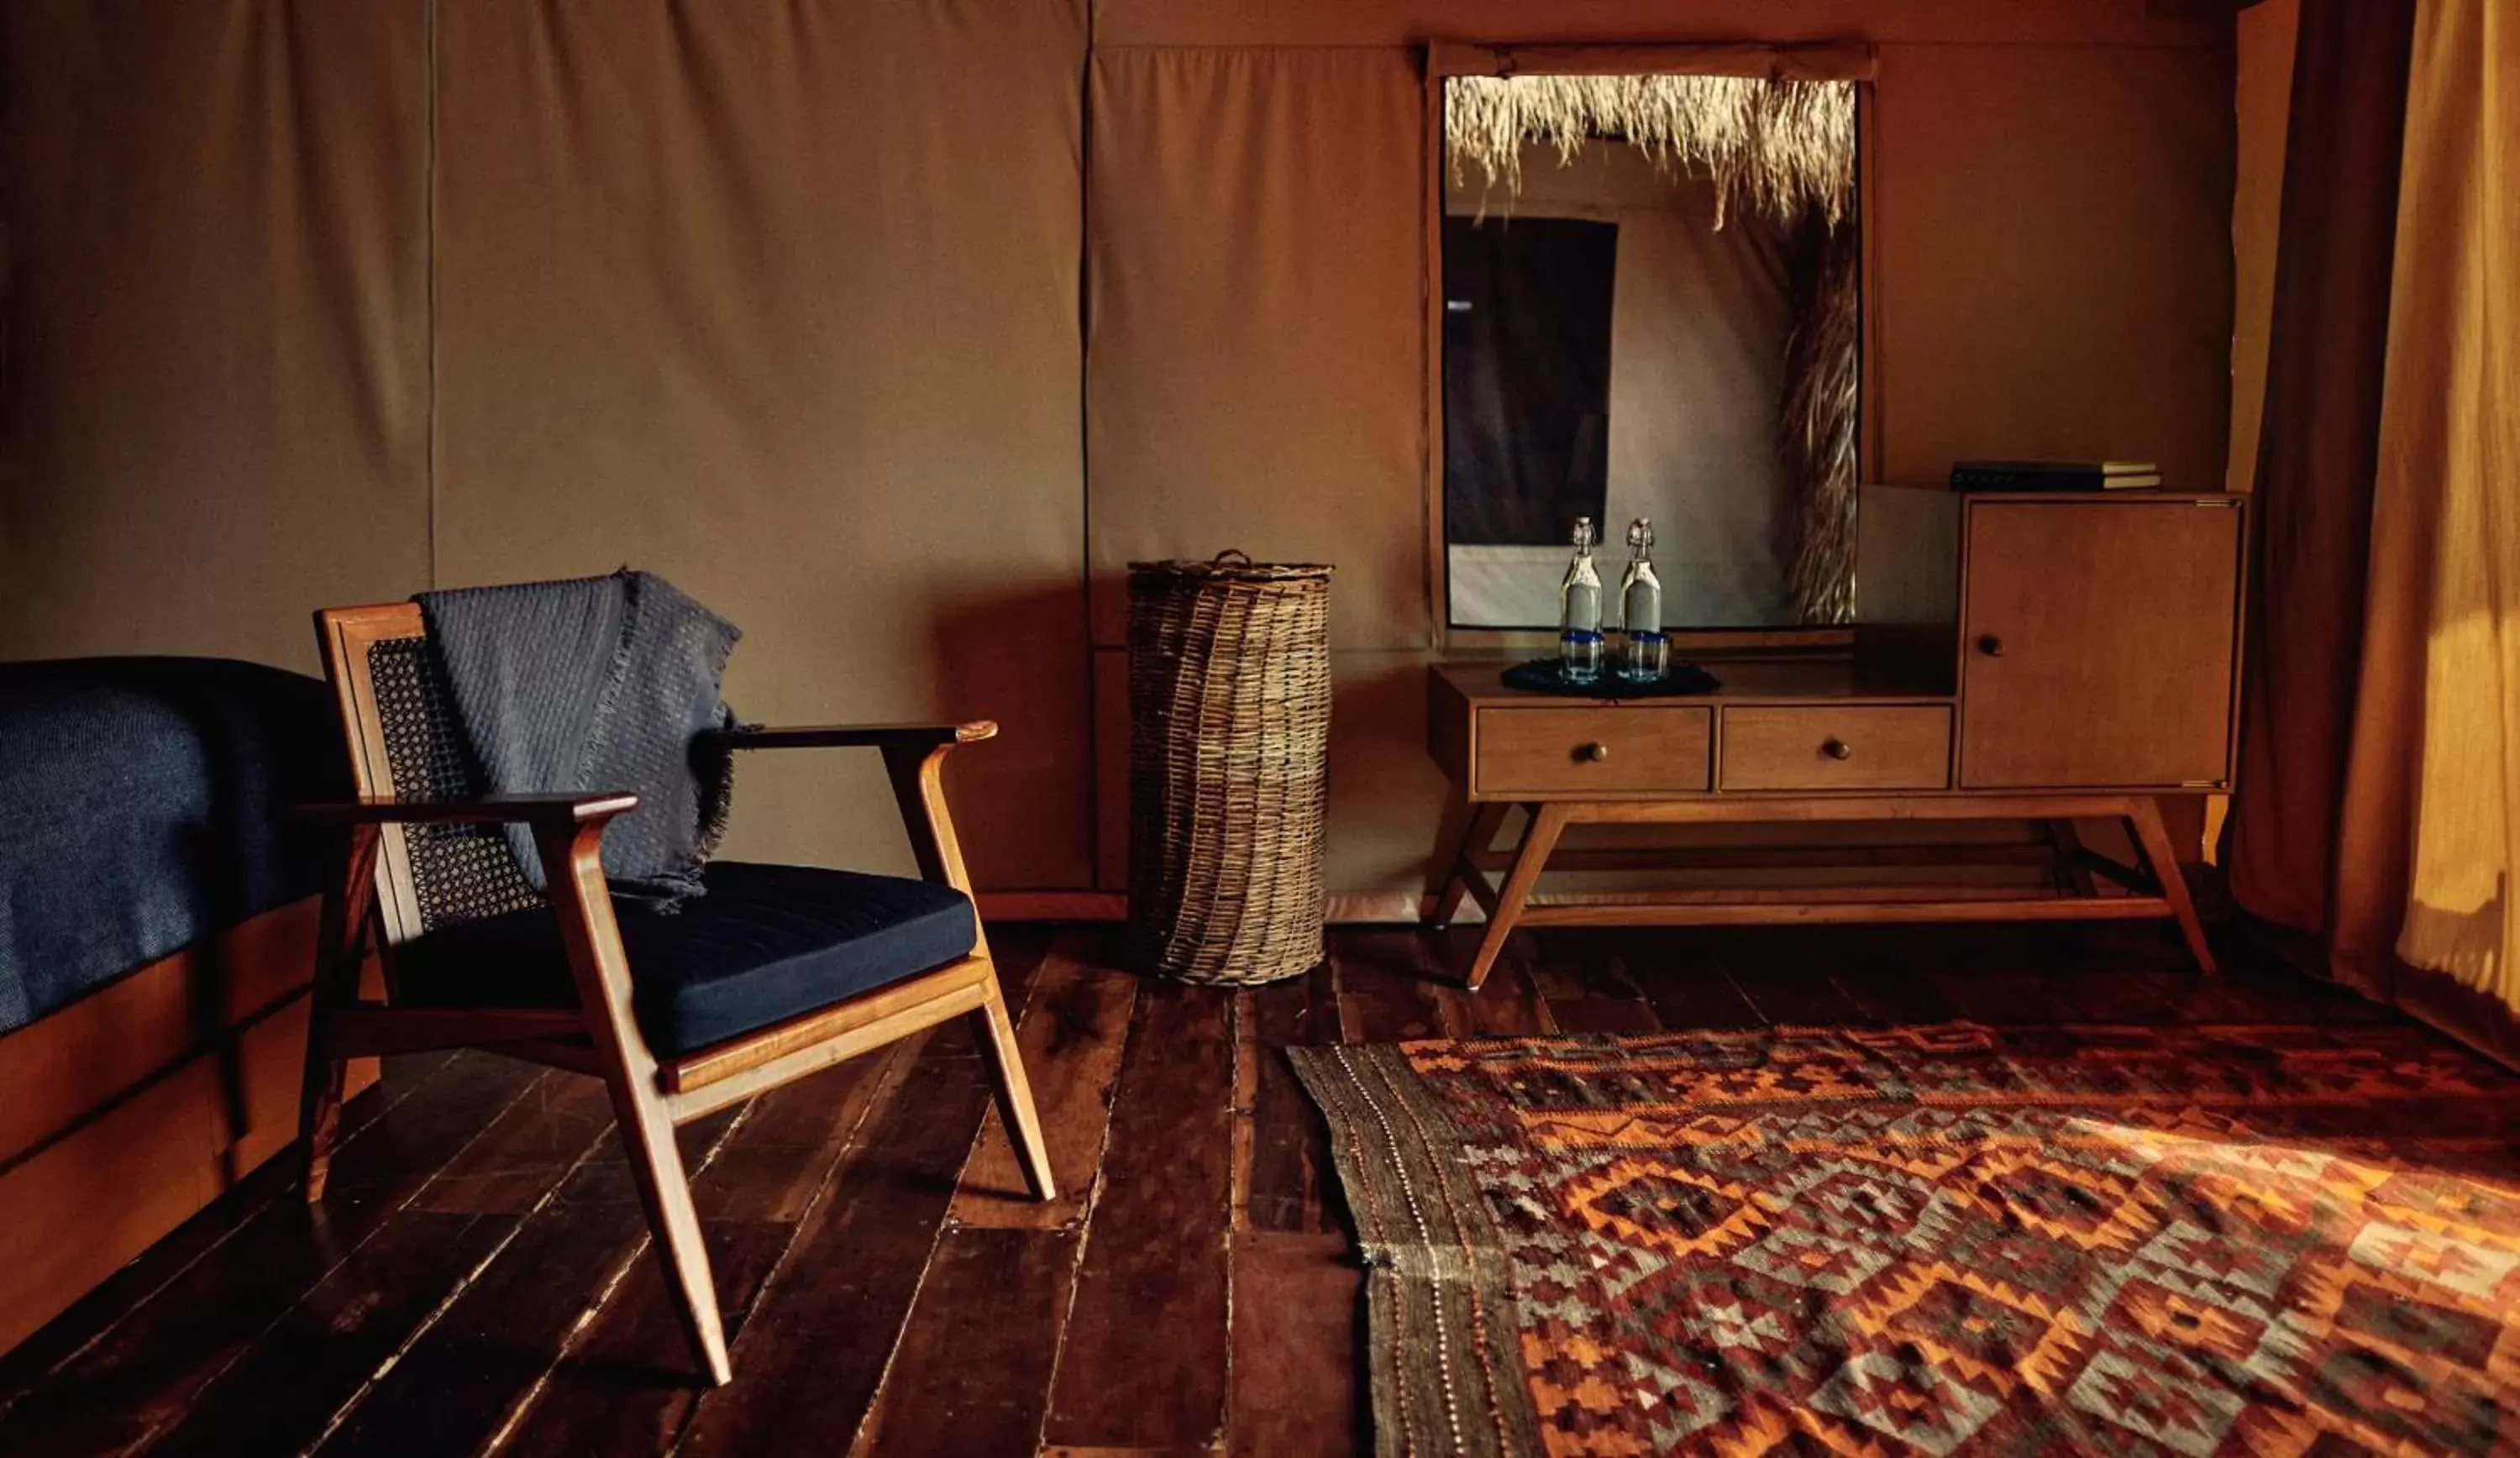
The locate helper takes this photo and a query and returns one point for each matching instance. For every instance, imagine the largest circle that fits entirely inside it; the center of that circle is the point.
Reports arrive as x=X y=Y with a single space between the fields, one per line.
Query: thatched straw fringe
x=1817 y=419
x=1784 y=147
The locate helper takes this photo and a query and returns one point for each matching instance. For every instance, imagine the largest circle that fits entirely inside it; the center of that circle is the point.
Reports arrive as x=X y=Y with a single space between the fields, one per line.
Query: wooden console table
x=2039 y=659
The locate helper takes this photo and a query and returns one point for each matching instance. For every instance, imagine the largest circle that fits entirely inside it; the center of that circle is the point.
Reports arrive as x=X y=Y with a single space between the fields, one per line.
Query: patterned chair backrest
x=403 y=740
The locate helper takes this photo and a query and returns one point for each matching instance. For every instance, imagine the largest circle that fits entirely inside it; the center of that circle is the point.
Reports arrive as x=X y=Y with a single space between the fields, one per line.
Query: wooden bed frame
x=124 y=1113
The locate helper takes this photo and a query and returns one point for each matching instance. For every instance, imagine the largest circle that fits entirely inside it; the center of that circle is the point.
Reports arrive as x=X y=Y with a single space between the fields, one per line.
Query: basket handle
x=1229 y=558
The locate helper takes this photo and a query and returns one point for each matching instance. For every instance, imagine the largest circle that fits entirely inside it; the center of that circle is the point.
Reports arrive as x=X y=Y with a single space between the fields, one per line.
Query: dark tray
x=1540 y=676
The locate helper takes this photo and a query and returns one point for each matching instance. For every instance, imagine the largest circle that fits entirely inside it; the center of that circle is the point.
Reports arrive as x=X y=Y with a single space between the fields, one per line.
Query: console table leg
x=1548 y=822
x=1453 y=852
x=2072 y=875
x=2152 y=844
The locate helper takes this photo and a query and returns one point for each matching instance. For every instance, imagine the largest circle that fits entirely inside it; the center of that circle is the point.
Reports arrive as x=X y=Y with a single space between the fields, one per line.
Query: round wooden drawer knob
x=1837 y=749
x=1592 y=754
x=1991 y=646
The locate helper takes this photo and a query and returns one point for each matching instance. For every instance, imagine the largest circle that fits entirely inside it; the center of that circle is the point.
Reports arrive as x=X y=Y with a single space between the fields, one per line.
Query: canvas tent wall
x=896 y=328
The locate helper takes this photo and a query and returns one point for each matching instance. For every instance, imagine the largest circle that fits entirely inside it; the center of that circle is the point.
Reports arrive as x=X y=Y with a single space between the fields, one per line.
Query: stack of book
x=2054 y=476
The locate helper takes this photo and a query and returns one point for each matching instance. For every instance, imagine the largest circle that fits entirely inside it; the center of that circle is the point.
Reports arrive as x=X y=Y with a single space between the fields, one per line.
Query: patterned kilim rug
x=1936 y=1240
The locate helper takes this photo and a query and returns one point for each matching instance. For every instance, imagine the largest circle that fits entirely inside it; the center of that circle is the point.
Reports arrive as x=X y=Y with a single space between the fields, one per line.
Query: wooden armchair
x=777 y=972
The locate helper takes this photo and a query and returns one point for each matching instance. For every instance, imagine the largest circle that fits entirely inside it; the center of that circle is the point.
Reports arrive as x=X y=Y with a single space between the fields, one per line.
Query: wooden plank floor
x=478 y=1279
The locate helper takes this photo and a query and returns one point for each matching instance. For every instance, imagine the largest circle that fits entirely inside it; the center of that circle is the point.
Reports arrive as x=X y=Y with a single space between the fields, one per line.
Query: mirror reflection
x=1651 y=310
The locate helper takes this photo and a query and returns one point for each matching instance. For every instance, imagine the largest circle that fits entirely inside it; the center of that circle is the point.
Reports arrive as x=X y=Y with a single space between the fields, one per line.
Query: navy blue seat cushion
x=763 y=944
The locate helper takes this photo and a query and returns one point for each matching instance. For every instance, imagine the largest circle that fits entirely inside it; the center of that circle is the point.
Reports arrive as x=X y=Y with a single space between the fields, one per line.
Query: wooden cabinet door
x=2096 y=646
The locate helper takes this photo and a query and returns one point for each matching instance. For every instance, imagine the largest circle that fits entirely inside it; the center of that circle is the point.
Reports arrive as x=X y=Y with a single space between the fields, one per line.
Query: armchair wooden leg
x=996 y=1038
x=665 y=1191
x=2161 y=861
x=573 y=867
x=319 y=1116
x=340 y=945
x=918 y=785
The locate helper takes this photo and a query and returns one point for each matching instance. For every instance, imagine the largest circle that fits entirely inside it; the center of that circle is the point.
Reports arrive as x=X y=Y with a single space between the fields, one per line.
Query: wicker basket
x=1228 y=750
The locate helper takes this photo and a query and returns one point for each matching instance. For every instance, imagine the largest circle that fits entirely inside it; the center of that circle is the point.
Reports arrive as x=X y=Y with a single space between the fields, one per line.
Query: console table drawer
x=1573 y=753
x=1891 y=748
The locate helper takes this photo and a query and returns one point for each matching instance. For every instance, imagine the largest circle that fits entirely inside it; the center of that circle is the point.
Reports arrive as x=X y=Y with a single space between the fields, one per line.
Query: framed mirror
x=1650 y=306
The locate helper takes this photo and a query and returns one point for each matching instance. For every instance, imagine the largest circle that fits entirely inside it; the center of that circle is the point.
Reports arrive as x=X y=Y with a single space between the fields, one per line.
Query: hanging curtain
x=2446 y=525
x=2317 y=455
x=2381 y=759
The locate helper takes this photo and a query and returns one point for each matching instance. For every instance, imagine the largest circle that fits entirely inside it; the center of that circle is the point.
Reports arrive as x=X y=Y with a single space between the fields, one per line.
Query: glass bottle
x=1579 y=611
x=1644 y=655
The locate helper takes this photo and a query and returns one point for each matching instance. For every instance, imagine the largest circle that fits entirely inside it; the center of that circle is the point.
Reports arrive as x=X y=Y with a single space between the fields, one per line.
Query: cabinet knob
x=1837 y=749
x=1991 y=646
x=1592 y=753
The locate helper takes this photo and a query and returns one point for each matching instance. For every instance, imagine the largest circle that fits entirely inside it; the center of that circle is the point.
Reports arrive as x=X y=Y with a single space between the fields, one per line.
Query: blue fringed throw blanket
x=597 y=683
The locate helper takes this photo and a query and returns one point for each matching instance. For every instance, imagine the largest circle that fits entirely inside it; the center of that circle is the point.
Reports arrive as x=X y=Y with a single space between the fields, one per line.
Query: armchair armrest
x=548 y=811
x=860 y=735
x=914 y=756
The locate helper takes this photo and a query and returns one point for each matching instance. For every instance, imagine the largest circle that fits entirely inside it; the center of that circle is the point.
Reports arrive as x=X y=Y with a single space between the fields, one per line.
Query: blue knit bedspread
x=141 y=811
